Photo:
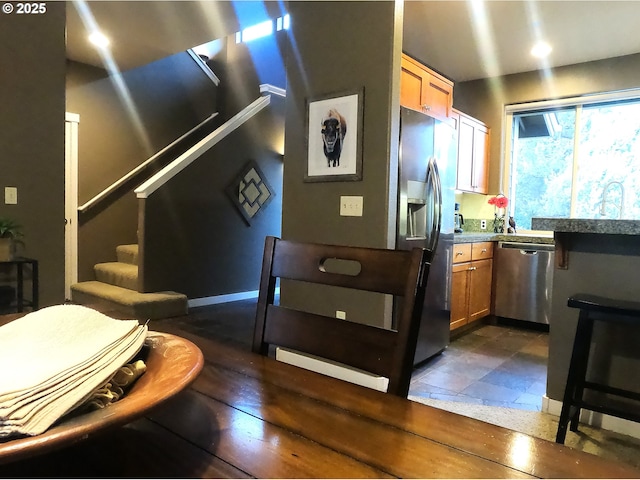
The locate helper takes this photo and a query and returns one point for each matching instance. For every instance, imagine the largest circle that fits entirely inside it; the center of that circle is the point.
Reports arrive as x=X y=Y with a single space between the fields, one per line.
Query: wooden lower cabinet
x=471 y=283
x=480 y=289
x=459 y=298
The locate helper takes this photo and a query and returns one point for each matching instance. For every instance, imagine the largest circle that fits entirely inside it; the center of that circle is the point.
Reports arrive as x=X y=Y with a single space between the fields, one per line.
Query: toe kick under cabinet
x=471 y=282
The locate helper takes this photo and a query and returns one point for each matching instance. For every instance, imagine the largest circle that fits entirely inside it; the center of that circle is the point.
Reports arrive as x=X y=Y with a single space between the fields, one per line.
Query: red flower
x=499 y=201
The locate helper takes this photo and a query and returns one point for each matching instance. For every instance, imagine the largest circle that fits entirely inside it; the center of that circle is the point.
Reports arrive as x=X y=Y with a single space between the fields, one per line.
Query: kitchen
x=485 y=99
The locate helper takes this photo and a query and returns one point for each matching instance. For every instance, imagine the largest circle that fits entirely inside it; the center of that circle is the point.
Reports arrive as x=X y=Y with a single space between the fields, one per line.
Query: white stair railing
x=190 y=155
x=118 y=183
x=204 y=67
x=184 y=160
x=267 y=88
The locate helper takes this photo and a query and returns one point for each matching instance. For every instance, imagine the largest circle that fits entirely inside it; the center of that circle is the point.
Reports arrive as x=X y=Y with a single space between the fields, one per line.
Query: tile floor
x=494 y=365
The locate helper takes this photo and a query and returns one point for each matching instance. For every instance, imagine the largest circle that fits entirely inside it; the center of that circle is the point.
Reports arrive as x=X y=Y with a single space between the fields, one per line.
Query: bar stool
x=602 y=309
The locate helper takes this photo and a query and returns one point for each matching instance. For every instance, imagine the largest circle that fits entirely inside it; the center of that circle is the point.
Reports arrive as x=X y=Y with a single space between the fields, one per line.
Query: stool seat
x=594 y=308
x=597 y=303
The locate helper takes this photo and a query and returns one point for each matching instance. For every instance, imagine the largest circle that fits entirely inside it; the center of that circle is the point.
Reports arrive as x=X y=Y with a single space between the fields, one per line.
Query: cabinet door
x=465 y=154
x=411 y=85
x=459 y=295
x=480 y=171
x=480 y=289
x=481 y=250
x=424 y=90
x=462 y=252
x=438 y=97
x=473 y=155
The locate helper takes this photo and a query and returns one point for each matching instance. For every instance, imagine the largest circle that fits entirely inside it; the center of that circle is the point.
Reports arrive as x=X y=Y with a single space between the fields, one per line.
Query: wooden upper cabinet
x=424 y=90
x=481 y=159
x=473 y=155
x=465 y=155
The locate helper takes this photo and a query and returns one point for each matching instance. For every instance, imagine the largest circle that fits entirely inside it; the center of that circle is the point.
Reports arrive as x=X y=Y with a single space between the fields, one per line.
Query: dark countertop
x=582 y=225
x=469 y=237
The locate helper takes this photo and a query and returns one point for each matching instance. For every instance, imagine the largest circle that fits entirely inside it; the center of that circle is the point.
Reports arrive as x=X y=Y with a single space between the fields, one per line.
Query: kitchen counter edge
x=471 y=237
x=580 y=225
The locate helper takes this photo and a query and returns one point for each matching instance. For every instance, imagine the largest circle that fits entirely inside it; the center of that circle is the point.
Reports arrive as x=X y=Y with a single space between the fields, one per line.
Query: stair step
x=120 y=274
x=143 y=306
x=127 y=253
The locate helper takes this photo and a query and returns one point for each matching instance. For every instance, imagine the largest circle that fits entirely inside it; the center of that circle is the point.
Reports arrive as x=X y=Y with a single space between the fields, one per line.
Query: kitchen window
x=574 y=158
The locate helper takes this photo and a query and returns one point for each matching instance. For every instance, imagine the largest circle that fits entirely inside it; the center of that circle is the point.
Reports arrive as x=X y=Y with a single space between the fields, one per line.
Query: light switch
x=351 y=206
x=10 y=195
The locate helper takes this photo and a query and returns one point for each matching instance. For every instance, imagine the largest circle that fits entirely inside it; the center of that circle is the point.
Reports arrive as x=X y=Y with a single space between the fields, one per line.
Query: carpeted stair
x=115 y=288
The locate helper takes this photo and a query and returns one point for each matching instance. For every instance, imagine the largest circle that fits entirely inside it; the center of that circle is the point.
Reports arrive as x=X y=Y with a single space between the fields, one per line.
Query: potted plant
x=10 y=235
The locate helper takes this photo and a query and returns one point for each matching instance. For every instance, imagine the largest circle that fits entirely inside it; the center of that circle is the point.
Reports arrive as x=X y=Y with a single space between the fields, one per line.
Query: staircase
x=115 y=288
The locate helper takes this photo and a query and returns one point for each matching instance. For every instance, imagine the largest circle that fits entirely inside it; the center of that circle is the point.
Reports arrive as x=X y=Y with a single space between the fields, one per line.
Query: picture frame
x=334 y=137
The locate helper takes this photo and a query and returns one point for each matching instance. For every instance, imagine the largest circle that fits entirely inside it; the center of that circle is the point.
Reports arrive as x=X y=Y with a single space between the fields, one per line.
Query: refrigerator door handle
x=448 y=275
x=433 y=177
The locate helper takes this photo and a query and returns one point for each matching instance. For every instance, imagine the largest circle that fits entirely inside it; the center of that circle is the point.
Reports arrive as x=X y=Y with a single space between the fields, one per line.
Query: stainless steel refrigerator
x=426 y=197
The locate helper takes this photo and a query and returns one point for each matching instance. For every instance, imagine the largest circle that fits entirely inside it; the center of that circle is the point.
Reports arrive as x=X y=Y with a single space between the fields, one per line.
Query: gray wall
x=605 y=265
x=244 y=66
x=167 y=98
x=485 y=99
x=32 y=137
x=328 y=57
x=196 y=242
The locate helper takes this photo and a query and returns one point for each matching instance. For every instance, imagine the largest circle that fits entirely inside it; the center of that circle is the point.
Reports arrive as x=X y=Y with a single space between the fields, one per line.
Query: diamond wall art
x=250 y=192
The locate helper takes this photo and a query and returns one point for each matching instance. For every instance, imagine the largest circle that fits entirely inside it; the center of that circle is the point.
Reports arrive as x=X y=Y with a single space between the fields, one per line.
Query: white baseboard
x=332 y=369
x=599 y=420
x=230 y=297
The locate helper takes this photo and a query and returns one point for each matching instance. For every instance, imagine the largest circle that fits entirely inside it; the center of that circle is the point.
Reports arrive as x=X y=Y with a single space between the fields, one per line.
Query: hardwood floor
x=511 y=352
x=501 y=366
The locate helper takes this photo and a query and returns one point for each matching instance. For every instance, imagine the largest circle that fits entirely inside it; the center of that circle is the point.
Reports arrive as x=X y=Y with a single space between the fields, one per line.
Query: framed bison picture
x=334 y=137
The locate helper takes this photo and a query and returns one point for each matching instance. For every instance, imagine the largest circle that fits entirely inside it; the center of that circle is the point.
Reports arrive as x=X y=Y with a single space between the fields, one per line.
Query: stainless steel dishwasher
x=524 y=280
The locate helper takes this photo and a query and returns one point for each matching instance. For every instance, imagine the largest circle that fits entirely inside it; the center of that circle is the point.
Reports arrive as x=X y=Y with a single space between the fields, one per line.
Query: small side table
x=19 y=263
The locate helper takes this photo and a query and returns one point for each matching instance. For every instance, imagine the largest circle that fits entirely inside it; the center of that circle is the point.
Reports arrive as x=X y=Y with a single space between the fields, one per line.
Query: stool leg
x=576 y=376
x=585 y=324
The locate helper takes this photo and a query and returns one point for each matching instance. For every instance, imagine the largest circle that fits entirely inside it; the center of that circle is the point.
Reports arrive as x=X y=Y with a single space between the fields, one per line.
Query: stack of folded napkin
x=53 y=359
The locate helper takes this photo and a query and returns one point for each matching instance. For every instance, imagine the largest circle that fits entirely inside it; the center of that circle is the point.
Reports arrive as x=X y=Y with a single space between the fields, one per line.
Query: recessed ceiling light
x=541 y=49
x=99 y=40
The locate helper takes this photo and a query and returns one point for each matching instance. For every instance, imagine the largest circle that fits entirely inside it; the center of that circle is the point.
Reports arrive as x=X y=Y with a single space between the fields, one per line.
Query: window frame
x=578 y=102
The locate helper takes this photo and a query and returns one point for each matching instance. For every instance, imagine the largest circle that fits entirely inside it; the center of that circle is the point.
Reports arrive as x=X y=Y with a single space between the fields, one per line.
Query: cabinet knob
x=484 y=250
x=458 y=254
x=426 y=107
x=472 y=268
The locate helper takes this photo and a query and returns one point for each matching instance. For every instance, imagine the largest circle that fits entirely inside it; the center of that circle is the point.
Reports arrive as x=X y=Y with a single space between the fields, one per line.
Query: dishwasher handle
x=528 y=247
x=529 y=252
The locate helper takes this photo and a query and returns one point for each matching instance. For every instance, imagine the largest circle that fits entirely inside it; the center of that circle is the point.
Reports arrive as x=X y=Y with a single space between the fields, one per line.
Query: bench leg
x=575 y=377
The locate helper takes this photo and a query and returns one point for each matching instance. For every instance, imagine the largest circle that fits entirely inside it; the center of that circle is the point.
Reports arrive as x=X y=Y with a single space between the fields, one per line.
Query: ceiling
x=471 y=40
x=464 y=40
x=144 y=31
